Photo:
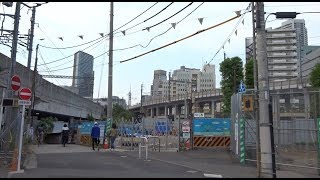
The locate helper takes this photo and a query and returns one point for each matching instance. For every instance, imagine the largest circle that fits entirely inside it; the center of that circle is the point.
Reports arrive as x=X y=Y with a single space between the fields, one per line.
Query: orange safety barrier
x=211 y=141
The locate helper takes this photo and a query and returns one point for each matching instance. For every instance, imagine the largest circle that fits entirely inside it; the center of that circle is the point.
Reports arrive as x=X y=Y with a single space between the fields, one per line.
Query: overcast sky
x=71 y=19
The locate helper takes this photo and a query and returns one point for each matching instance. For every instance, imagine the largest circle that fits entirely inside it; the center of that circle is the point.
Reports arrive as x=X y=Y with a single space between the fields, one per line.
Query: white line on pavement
x=212 y=175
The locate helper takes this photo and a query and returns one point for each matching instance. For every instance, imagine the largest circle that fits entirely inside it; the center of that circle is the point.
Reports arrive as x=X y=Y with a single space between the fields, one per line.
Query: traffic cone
x=187 y=144
x=105 y=145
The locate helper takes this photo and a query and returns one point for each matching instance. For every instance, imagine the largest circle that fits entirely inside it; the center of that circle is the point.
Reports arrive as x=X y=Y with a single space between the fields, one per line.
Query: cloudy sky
x=69 y=20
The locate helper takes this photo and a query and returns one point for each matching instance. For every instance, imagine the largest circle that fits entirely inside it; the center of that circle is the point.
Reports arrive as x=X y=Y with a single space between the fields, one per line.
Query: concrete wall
x=50 y=97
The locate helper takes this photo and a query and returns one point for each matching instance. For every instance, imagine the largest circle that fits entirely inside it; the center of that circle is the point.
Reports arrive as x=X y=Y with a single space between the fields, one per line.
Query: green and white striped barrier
x=242 y=142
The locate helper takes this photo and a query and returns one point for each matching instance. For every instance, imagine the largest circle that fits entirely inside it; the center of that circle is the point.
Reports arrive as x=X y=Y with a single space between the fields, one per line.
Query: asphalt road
x=104 y=165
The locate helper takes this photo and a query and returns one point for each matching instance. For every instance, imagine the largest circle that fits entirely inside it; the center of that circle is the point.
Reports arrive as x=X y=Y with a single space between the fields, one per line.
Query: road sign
x=185 y=129
x=185 y=123
x=10 y=102
x=15 y=83
x=186 y=135
x=242 y=87
x=198 y=115
x=25 y=94
x=24 y=102
x=247 y=103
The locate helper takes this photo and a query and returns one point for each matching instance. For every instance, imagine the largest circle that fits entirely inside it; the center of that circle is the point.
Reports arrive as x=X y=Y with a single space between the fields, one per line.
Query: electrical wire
x=168 y=17
x=104 y=58
x=72 y=46
x=198 y=32
x=234 y=29
x=136 y=17
x=164 y=31
x=78 y=51
x=40 y=54
x=71 y=54
x=102 y=36
x=150 y=17
x=49 y=38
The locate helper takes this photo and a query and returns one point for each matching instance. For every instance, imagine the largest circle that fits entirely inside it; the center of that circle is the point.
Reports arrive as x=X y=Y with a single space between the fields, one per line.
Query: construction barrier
x=211 y=141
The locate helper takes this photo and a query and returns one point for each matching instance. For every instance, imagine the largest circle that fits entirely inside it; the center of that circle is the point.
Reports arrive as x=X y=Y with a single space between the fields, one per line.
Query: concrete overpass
x=206 y=101
x=50 y=99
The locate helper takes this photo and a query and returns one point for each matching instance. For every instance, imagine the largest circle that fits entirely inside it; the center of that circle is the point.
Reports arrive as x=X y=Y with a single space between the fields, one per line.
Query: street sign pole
x=21 y=137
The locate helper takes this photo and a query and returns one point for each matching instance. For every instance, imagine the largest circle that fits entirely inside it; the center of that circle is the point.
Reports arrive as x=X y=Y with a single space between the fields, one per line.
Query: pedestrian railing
x=144 y=141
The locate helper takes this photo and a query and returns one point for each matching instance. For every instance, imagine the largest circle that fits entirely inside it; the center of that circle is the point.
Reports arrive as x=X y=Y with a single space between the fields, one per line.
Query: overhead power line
x=148 y=28
x=163 y=32
x=150 y=17
x=103 y=35
x=233 y=31
x=136 y=17
x=71 y=54
x=198 y=32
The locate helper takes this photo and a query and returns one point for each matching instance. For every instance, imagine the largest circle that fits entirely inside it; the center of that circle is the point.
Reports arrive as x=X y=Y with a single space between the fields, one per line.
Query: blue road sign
x=242 y=87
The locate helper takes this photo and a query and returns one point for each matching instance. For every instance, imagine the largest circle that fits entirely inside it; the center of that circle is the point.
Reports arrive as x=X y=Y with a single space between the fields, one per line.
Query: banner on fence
x=211 y=126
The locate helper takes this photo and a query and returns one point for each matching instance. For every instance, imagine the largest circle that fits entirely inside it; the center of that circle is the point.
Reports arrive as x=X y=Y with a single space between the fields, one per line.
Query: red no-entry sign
x=25 y=94
x=15 y=83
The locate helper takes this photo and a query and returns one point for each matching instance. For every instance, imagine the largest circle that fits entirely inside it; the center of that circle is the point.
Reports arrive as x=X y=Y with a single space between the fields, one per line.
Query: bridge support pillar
x=213 y=107
x=166 y=111
x=157 y=111
x=151 y=112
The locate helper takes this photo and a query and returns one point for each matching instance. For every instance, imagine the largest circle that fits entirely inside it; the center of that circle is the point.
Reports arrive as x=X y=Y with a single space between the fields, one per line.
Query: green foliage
x=90 y=117
x=47 y=124
x=232 y=73
x=118 y=112
x=315 y=76
x=249 y=80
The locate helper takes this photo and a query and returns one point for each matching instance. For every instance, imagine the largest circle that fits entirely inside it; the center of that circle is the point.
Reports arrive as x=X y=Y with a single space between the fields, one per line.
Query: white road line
x=192 y=171
x=212 y=175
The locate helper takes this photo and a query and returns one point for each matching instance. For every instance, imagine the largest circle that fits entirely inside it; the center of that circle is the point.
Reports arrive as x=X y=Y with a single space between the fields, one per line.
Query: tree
x=47 y=124
x=231 y=73
x=118 y=112
x=315 y=76
x=249 y=80
x=90 y=117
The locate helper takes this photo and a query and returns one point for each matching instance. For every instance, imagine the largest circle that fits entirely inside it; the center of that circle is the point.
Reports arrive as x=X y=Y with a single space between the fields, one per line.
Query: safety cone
x=187 y=144
x=105 y=145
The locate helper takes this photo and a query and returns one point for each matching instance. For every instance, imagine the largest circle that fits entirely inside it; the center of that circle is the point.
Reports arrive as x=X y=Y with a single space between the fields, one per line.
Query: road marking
x=192 y=171
x=212 y=175
x=123 y=156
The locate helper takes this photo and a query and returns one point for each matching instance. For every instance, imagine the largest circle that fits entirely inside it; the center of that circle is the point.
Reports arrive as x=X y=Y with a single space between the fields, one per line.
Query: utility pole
x=109 y=109
x=33 y=88
x=30 y=44
x=169 y=98
x=256 y=103
x=185 y=100
x=143 y=125
x=234 y=80
x=264 y=96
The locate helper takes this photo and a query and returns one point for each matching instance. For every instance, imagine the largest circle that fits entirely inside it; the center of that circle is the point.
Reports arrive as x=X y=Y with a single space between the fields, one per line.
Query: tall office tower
x=83 y=74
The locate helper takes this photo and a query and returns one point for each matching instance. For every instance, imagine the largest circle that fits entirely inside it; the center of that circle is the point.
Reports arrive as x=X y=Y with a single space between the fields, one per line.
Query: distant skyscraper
x=83 y=75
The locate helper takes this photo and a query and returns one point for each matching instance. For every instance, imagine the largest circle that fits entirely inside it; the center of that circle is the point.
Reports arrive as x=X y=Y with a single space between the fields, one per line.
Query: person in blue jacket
x=95 y=135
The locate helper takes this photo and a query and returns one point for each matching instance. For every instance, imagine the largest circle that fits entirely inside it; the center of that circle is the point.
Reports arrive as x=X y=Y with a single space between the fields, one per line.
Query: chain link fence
x=295 y=114
x=162 y=133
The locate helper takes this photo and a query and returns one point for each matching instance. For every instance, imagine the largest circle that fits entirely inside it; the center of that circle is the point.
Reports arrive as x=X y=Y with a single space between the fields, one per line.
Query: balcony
x=271 y=55
x=292 y=61
x=282 y=37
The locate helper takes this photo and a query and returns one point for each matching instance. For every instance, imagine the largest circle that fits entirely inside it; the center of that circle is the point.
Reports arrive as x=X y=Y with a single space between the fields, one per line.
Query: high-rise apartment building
x=285 y=46
x=83 y=74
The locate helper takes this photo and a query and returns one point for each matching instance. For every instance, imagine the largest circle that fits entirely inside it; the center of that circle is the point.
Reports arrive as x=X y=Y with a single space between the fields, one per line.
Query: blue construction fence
x=157 y=127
